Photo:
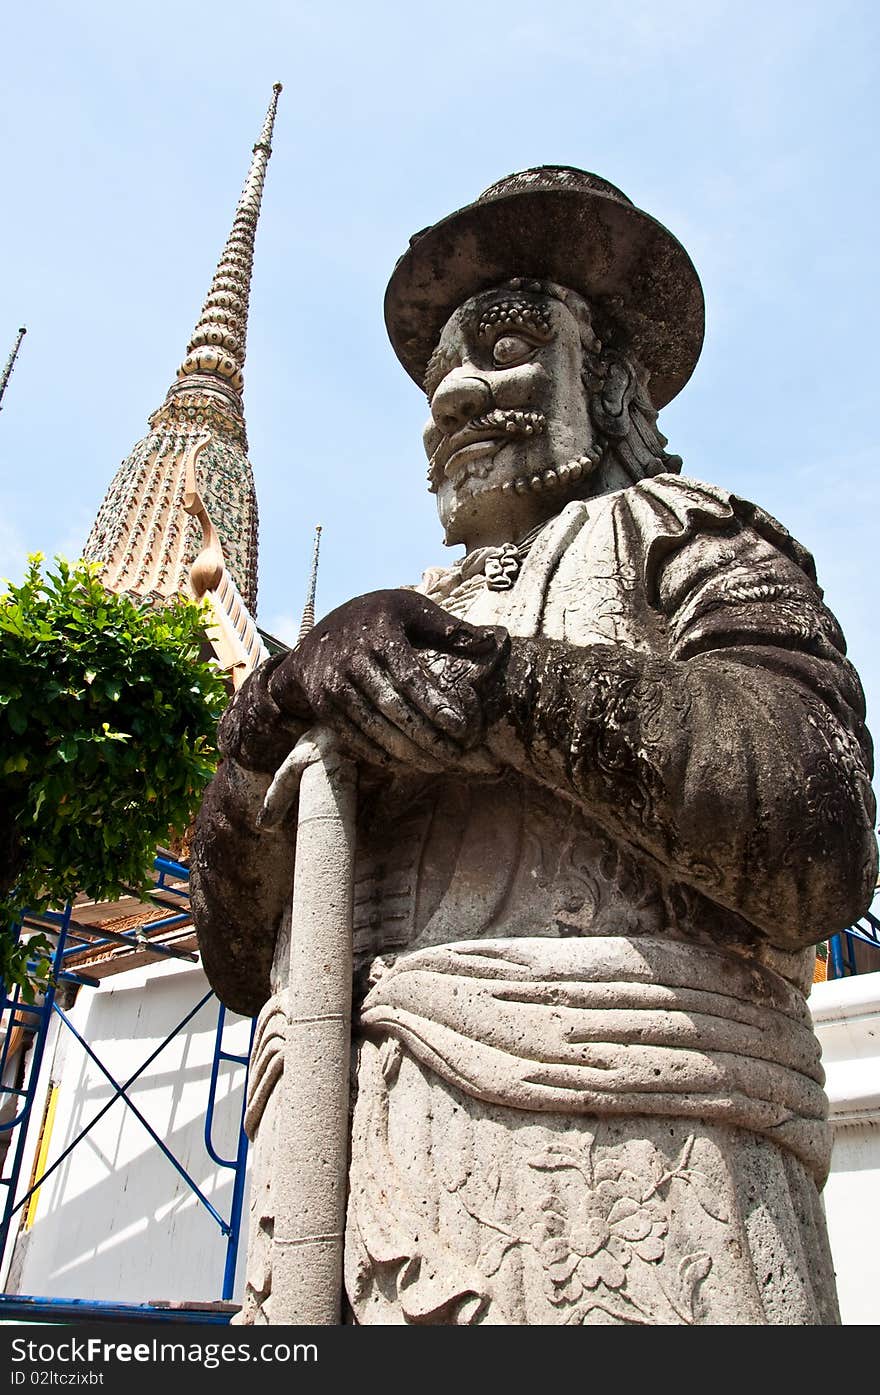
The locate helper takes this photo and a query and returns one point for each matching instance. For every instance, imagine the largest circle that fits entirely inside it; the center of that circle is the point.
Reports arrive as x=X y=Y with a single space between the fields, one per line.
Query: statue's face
x=509 y=415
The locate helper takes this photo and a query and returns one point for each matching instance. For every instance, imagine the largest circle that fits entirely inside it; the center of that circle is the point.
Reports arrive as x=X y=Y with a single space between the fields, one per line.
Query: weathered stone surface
x=613 y=784
x=302 y=1272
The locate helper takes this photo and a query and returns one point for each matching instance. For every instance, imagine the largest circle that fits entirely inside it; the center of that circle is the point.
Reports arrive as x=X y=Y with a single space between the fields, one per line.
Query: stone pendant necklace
x=497 y=567
x=502 y=565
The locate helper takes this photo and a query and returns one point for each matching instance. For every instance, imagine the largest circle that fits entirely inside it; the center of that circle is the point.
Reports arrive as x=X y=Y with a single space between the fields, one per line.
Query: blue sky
x=748 y=128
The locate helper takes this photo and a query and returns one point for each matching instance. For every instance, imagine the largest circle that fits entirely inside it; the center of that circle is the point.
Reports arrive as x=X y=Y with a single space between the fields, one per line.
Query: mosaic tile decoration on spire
x=142 y=536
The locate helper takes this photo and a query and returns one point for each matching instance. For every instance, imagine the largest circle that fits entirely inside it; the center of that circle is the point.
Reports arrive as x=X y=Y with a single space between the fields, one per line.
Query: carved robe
x=587 y=1088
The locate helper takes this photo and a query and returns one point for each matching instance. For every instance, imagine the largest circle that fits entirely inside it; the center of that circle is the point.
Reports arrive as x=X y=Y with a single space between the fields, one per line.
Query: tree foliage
x=107 y=737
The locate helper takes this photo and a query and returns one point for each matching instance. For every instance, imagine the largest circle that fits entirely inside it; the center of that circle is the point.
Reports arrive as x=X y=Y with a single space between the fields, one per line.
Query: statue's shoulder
x=678 y=508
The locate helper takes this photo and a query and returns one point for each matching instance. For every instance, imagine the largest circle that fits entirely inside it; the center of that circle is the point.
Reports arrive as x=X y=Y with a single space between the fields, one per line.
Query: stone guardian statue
x=613 y=784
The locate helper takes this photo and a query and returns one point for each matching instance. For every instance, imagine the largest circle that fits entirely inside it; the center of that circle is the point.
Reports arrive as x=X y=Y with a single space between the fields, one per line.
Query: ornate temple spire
x=197 y=442
x=308 y=616
x=218 y=342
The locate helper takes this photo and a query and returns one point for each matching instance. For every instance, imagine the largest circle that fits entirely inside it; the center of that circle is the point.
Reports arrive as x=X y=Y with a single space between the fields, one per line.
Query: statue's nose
x=460 y=397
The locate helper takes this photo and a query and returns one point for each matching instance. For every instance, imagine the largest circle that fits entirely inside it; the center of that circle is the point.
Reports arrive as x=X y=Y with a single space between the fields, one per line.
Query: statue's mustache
x=499 y=424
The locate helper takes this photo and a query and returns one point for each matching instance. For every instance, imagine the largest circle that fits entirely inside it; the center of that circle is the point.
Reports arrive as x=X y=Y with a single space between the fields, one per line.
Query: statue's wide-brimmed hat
x=559 y=224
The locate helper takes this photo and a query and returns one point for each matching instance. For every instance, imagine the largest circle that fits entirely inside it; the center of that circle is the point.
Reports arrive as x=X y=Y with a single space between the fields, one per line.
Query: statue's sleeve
x=241 y=878
x=732 y=748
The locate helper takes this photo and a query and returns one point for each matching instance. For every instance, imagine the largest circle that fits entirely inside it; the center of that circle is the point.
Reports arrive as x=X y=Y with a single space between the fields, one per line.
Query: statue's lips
x=476 y=448
x=459 y=454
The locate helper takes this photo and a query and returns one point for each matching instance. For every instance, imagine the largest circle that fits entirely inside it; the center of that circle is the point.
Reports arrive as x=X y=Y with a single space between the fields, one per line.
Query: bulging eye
x=510 y=348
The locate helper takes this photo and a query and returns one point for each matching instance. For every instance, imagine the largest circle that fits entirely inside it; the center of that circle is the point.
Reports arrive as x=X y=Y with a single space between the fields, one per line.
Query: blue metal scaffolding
x=71 y=939
x=843 y=948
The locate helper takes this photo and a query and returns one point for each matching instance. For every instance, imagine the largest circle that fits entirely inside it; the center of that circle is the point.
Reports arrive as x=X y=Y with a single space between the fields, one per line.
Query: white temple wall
x=116 y=1221
x=846 y=1015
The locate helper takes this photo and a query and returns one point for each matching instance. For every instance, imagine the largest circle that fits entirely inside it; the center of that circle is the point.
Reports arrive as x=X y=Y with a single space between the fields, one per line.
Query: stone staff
x=313 y=1139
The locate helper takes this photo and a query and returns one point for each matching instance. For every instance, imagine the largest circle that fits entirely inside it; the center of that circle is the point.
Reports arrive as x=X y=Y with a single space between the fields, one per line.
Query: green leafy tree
x=108 y=721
